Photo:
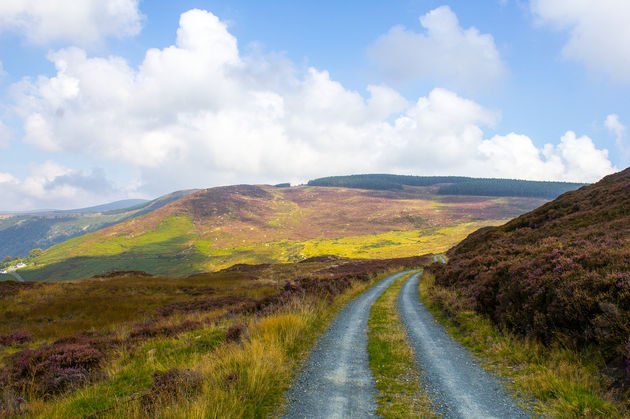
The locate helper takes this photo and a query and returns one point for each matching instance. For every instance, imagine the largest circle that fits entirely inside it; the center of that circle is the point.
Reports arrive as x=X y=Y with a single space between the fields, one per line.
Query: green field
x=166 y=251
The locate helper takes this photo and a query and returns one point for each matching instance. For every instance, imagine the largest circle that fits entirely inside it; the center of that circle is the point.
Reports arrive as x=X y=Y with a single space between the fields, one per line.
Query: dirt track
x=337 y=381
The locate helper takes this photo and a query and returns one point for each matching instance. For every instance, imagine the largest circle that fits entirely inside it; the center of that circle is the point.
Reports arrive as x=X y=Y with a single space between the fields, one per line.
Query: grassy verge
x=561 y=382
x=398 y=379
x=241 y=378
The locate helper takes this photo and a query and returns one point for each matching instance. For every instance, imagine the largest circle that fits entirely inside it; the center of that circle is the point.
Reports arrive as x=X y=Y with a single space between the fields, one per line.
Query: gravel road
x=461 y=388
x=336 y=381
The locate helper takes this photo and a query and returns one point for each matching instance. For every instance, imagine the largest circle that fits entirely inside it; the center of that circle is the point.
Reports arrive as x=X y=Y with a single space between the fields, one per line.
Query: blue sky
x=109 y=100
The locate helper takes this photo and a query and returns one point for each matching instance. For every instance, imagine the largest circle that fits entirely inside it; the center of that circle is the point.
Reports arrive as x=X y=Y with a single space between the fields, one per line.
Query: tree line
x=452 y=185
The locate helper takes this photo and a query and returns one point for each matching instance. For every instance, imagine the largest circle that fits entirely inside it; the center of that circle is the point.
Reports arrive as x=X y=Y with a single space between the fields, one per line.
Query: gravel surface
x=337 y=381
x=460 y=387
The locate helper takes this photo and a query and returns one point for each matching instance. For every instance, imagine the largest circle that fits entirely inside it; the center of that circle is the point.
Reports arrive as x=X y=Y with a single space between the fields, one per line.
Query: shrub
x=15 y=338
x=560 y=273
x=234 y=332
x=172 y=385
x=52 y=369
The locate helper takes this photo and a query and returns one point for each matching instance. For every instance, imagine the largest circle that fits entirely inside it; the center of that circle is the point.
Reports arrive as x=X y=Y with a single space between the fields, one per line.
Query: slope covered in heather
x=560 y=273
x=218 y=227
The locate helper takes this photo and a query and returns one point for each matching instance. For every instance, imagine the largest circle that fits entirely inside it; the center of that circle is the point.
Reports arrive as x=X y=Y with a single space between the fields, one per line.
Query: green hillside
x=219 y=227
x=20 y=233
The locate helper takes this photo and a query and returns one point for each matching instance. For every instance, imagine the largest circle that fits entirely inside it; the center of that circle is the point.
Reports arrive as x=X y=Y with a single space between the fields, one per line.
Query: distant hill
x=216 y=228
x=560 y=273
x=124 y=204
x=22 y=232
x=452 y=185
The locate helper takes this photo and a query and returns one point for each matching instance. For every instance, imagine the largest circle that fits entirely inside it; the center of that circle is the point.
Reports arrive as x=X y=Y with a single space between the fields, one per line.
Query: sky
x=103 y=100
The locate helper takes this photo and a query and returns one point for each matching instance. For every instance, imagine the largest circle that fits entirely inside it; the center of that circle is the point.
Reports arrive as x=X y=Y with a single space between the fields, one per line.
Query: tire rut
x=460 y=387
x=337 y=381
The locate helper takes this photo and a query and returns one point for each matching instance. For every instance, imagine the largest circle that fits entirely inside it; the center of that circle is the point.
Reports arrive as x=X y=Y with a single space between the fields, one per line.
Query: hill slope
x=219 y=227
x=19 y=233
x=560 y=273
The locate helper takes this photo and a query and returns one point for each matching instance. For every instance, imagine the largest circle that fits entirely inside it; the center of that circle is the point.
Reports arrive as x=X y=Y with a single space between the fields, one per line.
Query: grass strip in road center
x=398 y=379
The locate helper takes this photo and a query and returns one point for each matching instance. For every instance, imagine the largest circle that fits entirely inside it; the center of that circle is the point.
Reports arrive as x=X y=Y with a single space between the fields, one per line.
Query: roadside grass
x=239 y=379
x=398 y=379
x=560 y=382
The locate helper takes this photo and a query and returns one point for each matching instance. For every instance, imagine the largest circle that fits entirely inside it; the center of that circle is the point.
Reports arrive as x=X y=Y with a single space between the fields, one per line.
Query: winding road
x=459 y=385
x=337 y=381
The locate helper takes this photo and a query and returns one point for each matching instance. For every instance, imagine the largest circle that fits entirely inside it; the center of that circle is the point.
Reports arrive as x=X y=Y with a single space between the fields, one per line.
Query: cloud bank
x=51 y=186
x=444 y=53
x=599 y=33
x=84 y=22
x=200 y=113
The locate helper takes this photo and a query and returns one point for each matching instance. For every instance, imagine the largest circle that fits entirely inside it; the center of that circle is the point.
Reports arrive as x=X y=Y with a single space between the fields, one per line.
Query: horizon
x=104 y=103
x=42 y=211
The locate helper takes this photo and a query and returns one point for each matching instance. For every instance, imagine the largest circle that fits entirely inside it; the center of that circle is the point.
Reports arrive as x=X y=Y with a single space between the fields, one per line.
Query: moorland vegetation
x=559 y=275
x=129 y=344
x=219 y=227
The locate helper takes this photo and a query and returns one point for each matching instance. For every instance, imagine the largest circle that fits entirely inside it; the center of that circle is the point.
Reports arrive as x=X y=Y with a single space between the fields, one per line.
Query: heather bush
x=15 y=338
x=234 y=332
x=11 y=403
x=560 y=273
x=171 y=386
x=53 y=369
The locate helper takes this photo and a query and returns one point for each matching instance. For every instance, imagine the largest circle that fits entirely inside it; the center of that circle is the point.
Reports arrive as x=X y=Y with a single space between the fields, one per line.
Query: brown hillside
x=215 y=228
x=558 y=273
x=264 y=213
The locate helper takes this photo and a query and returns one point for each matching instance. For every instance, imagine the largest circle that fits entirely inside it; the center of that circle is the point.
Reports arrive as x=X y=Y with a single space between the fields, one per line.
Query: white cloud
x=573 y=159
x=199 y=113
x=444 y=52
x=84 y=22
x=599 y=32
x=51 y=186
x=7 y=178
x=614 y=125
